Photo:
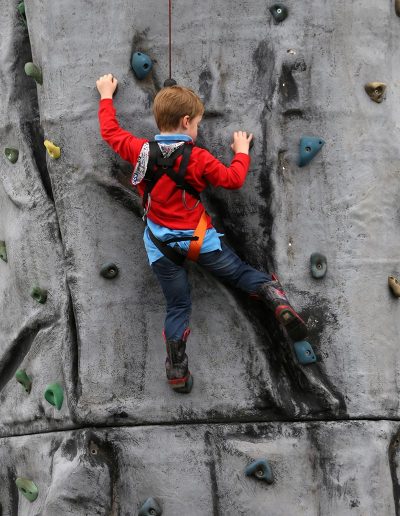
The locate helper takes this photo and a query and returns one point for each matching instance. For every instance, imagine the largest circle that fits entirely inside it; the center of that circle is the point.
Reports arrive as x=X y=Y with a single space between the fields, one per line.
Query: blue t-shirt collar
x=168 y=138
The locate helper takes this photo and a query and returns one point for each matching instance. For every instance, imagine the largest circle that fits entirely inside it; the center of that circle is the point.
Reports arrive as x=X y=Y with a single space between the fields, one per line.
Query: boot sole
x=294 y=325
x=182 y=385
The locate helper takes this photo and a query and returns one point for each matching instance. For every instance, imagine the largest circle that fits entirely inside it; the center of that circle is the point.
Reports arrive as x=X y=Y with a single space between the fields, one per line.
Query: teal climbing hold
x=3 y=251
x=39 y=294
x=109 y=271
x=27 y=488
x=318 y=265
x=24 y=380
x=11 y=154
x=141 y=64
x=304 y=352
x=54 y=394
x=150 y=508
x=309 y=148
x=261 y=470
x=34 y=71
x=279 y=12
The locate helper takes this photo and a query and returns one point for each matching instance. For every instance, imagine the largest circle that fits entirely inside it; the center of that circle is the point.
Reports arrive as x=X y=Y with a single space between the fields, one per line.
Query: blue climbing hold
x=304 y=352
x=261 y=470
x=309 y=148
x=150 y=508
x=141 y=64
x=318 y=265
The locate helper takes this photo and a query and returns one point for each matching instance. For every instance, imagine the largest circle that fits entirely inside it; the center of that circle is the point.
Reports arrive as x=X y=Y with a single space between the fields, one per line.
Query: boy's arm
x=231 y=177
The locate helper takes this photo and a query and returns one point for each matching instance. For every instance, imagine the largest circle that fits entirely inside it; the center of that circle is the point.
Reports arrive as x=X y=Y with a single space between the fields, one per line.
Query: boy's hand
x=106 y=85
x=241 y=142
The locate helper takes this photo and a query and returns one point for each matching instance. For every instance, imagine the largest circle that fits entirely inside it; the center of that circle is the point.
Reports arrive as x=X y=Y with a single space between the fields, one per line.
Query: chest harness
x=157 y=166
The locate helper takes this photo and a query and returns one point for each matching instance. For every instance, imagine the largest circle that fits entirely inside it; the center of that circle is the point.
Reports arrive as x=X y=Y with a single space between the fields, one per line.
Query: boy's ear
x=185 y=121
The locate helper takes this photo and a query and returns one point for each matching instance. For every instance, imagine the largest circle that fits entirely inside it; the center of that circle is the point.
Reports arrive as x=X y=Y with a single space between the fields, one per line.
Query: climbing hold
x=11 y=154
x=109 y=271
x=3 y=251
x=34 y=71
x=318 y=265
x=309 y=148
x=279 y=12
x=150 y=508
x=261 y=470
x=304 y=352
x=170 y=82
x=27 y=488
x=54 y=394
x=53 y=150
x=394 y=284
x=141 y=64
x=24 y=379
x=397 y=7
x=376 y=91
x=40 y=294
x=21 y=11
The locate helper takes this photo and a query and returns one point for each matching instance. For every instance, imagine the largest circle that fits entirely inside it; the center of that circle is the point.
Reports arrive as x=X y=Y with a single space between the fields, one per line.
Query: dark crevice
x=393 y=464
x=75 y=349
x=209 y=451
x=13 y=490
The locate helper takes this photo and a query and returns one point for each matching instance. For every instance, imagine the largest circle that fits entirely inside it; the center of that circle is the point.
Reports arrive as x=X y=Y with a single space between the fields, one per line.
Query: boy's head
x=177 y=109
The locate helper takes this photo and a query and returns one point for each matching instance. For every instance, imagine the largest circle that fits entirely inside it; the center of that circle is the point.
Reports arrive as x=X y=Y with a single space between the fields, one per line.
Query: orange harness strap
x=195 y=245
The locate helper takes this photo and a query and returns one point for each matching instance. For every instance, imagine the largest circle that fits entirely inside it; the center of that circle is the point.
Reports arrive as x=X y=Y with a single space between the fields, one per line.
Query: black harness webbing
x=168 y=251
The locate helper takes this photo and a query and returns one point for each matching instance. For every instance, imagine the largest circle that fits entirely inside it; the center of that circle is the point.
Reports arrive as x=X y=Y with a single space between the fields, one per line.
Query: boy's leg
x=175 y=285
x=227 y=266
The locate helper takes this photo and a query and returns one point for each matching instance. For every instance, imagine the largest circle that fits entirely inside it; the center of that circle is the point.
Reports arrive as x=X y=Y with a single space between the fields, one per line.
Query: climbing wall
x=110 y=437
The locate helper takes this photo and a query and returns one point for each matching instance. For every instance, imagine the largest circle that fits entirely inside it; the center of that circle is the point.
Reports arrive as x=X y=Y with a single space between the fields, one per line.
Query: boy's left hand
x=106 y=85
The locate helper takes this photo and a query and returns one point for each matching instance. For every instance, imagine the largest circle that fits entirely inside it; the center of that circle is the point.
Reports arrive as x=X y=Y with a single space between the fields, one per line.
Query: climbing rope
x=170 y=37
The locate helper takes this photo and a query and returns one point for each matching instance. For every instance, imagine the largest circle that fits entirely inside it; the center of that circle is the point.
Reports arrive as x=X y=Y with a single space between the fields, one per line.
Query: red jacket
x=167 y=208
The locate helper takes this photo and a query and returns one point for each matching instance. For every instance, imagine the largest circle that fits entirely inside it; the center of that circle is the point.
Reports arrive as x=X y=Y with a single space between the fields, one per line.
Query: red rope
x=170 y=38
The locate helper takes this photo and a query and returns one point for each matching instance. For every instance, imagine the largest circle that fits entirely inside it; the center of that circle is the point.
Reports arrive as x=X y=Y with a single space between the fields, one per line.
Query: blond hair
x=173 y=103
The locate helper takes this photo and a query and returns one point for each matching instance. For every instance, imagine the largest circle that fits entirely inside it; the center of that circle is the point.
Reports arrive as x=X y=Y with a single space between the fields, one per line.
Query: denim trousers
x=224 y=265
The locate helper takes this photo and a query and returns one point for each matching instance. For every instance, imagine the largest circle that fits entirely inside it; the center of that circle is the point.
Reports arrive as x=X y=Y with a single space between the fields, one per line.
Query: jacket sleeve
x=123 y=142
x=232 y=177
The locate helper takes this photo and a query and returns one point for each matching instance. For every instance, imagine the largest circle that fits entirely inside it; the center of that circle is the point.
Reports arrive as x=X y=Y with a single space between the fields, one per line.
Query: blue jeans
x=225 y=265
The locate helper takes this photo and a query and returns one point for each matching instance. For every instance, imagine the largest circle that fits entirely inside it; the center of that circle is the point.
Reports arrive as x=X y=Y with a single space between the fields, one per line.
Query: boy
x=169 y=174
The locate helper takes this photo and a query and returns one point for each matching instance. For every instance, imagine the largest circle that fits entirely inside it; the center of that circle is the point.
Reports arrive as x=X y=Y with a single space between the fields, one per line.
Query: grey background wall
x=329 y=429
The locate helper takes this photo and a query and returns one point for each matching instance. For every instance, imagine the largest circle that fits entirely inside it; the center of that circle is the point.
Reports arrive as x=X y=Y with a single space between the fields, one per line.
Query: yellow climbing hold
x=53 y=150
x=376 y=91
x=394 y=284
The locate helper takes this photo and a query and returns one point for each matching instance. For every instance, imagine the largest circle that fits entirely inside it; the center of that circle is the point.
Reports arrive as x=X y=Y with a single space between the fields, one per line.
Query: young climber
x=170 y=173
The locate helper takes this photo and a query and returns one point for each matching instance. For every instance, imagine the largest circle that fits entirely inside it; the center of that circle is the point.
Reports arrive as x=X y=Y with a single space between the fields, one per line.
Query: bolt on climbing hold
x=394 y=285
x=54 y=394
x=21 y=11
x=279 y=12
x=141 y=64
x=3 y=251
x=24 y=380
x=318 y=265
x=150 y=508
x=169 y=82
x=397 y=7
x=34 y=71
x=109 y=271
x=53 y=150
x=376 y=91
x=39 y=294
x=261 y=470
x=11 y=154
x=309 y=148
x=27 y=488
x=304 y=352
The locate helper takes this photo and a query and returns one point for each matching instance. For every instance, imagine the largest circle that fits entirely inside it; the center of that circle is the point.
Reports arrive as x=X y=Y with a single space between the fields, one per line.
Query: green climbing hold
x=150 y=508
x=141 y=64
x=109 y=271
x=397 y=7
x=24 y=380
x=3 y=251
x=394 y=285
x=11 y=154
x=279 y=12
x=309 y=148
x=27 y=488
x=21 y=11
x=39 y=294
x=54 y=394
x=34 y=71
x=376 y=91
x=304 y=352
x=318 y=265
x=261 y=470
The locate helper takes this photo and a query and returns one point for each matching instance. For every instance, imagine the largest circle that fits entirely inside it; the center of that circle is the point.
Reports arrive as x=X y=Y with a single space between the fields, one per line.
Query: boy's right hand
x=106 y=85
x=241 y=142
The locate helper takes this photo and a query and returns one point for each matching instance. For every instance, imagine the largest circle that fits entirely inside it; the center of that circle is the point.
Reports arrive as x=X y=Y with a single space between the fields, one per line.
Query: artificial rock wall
x=329 y=430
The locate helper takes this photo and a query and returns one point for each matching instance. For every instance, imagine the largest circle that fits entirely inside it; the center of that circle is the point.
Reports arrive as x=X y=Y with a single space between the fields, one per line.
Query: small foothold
x=318 y=265
x=109 y=271
x=309 y=148
x=279 y=12
x=3 y=251
x=27 y=488
x=11 y=154
x=150 y=508
x=141 y=64
x=53 y=150
x=54 y=394
x=397 y=7
x=39 y=294
x=21 y=11
x=304 y=352
x=376 y=91
x=24 y=380
x=261 y=470
x=34 y=71
x=394 y=284
x=170 y=82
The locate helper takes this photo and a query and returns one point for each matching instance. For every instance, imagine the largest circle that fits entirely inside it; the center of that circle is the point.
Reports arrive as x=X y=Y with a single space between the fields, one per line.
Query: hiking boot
x=176 y=364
